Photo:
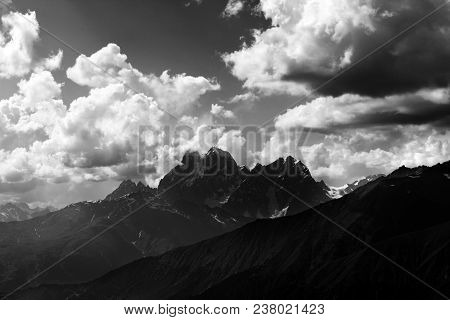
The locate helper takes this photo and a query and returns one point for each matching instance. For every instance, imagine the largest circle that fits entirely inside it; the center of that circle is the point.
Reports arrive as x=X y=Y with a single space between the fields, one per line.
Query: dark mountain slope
x=189 y=208
x=406 y=217
x=156 y=227
x=258 y=197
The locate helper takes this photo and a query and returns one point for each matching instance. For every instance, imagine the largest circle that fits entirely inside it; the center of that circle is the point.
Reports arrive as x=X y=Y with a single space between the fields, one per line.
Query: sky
x=94 y=92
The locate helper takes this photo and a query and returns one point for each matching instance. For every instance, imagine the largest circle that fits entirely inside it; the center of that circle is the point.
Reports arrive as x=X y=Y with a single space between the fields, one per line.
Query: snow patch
x=280 y=213
x=215 y=217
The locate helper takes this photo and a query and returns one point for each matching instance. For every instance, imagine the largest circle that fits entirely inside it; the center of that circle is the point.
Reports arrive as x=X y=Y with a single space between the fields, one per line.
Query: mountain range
x=19 y=211
x=338 y=192
x=386 y=240
x=213 y=229
x=189 y=206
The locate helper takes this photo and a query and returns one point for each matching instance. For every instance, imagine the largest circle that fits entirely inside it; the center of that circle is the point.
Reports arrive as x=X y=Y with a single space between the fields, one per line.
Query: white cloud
x=94 y=139
x=177 y=94
x=51 y=63
x=38 y=88
x=247 y=97
x=233 y=8
x=17 y=39
x=233 y=142
x=312 y=36
x=352 y=110
x=31 y=114
x=343 y=158
x=18 y=36
x=220 y=112
x=311 y=41
x=350 y=154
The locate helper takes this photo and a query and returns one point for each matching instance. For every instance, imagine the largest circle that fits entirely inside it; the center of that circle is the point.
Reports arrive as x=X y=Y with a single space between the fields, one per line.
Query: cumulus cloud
x=17 y=38
x=349 y=110
x=350 y=154
x=51 y=63
x=311 y=41
x=233 y=142
x=96 y=138
x=177 y=94
x=31 y=114
x=18 y=35
x=220 y=112
x=356 y=153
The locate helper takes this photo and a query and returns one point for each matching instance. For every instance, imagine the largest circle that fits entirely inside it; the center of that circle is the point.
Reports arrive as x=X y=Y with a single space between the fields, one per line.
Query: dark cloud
x=112 y=155
x=19 y=187
x=325 y=114
x=416 y=60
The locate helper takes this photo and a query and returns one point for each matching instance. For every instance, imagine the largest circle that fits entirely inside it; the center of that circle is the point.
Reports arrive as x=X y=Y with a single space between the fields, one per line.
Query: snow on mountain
x=338 y=192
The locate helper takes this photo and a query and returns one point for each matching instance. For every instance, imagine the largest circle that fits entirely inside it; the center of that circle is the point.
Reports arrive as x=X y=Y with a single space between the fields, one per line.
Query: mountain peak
x=286 y=167
x=218 y=151
x=127 y=187
x=202 y=178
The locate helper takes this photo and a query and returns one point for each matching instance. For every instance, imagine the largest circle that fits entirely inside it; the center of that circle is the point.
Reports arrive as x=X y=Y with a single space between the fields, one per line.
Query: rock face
x=307 y=256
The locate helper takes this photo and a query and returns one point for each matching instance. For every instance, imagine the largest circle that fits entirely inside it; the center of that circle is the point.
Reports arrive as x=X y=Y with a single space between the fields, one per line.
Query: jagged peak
x=219 y=152
x=127 y=187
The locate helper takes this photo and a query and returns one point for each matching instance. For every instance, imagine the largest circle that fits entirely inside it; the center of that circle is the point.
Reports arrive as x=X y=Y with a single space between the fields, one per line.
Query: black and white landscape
x=226 y=149
x=157 y=253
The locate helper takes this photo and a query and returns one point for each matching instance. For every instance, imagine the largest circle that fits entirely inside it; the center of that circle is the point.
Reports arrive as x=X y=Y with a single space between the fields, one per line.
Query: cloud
x=221 y=112
x=346 y=157
x=311 y=41
x=248 y=97
x=5 y=8
x=17 y=39
x=233 y=142
x=177 y=94
x=96 y=138
x=31 y=114
x=350 y=154
x=351 y=111
x=233 y=8
x=51 y=63
x=196 y=2
x=18 y=36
